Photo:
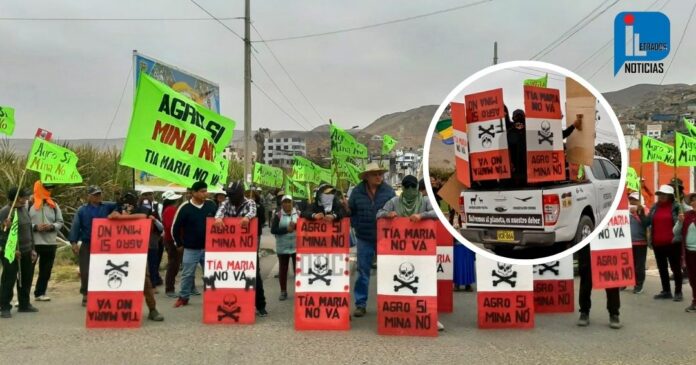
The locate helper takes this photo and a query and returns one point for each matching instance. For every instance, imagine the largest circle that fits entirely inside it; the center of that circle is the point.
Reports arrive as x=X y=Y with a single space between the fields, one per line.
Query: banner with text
x=653 y=150
x=445 y=269
x=118 y=254
x=486 y=135
x=553 y=286
x=343 y=144
x=7 y=120
x=406 y=277
x=505 y=294
x=461 y=143
x=55 y=164
x=267 y=175
x=612 y=253
x=322 y=282
x=229 y=273
x=685 y=149
x=544 y=132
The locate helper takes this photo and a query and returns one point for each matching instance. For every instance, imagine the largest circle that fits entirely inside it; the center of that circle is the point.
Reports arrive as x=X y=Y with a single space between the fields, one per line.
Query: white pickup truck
x=554 y=214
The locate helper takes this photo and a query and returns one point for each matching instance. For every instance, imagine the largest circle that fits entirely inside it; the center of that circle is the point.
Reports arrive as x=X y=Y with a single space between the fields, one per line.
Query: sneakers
x=195 y=292
x=468 y=289
x=181 y=302
x=584 y=320
x=638 y=289
x=359 y=312
x=5 y=314
x=663 y=295
x=28 y=309
x=84 y=300
x=614 y=322
x=261 y=312
x=43 y=298
x=678 y=297
x=691 y=309
x=283 y=296
x=155 y=316
x=172 y=294
x=440 y=326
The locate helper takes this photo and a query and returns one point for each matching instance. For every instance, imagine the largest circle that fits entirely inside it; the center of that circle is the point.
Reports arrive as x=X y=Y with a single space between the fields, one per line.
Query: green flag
x=297 y=190
x=632 y=180
x=267 y=175
x=55 y=164
x=173 y=137
x=224 y=168
x=304 y=170
x=343 y=144
x=685 y=150
x=11 y=245
x=540 y=82
x=653 y=150
x=348 y=171
x=7 y=120
x=690 y=126
x=388 y=144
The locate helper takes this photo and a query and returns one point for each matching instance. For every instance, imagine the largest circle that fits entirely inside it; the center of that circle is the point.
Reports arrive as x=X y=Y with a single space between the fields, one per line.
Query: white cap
x=146 y=191
x=286 y=197
x=634 y=195
x=170 y=195
x=666 y=189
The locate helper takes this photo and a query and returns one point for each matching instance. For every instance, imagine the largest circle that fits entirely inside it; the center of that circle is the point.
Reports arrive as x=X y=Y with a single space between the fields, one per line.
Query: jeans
x=188 y=275
x=284 y=263
x=46 y=256
x=84 y=267
x=153 y=260
x=9 y=278
x=366 y=253
x=639 y=254
x=669 y=254
x=585 y=293
x=173 y=265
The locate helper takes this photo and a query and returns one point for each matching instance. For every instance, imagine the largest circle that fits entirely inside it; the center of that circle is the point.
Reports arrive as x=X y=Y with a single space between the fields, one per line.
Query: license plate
x=506 y=235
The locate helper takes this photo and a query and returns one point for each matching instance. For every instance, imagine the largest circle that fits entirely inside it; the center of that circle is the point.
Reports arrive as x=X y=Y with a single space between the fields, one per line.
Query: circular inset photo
x=525 y=160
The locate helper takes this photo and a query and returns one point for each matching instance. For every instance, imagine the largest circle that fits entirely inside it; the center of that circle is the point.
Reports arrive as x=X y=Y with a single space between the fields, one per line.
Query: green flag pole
x=14 y=201
x=676 y=187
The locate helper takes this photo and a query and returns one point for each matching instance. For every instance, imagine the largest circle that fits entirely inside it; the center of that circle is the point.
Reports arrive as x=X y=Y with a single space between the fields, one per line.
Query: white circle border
x=503 y=66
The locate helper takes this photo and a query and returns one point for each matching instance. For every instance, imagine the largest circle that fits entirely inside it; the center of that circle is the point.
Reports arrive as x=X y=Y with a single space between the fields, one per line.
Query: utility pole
x=495 y=53
x=247 y=90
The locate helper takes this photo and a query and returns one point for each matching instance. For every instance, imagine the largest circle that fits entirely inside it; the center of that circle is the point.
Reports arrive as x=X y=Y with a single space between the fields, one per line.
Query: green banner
x=224 y=168
x=343 y=144
x=12 y=238
x=267 y=175
x=304 y=170
x=540 y=82
x=653 y=150
x=55 y=164
x=296 y=189
x=388 y=144
x=685 y=149
x=632 y=180
x=173 y=137
x=348 y=171
x=7 y=120
x=690 y=126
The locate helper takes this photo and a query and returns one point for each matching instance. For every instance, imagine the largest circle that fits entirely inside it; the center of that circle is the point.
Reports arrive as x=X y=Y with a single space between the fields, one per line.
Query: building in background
x=654 y=131
x=280 y=148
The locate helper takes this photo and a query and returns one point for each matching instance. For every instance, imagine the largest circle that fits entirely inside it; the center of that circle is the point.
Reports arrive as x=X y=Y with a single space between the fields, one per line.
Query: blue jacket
x=81 y=229
x=363 y=210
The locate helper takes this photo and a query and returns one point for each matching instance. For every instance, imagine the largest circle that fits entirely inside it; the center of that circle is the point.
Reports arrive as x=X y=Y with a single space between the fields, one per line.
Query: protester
x=126 y=211
x=169 y=203
x=147 y=205
x=585 y=293
x=25 y=255
x=366 y=199
x=81 y=231
x=188 y=231
x=46 y=221
x=283 y=226
x=269 y=202
x=667 y=247
x=327 y=205
x=236 y=205
x=686 y=228
x=639 y=225
x=219 y=198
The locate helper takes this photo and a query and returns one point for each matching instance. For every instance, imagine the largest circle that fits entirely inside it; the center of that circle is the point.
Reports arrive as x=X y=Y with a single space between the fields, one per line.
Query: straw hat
x=371 y=167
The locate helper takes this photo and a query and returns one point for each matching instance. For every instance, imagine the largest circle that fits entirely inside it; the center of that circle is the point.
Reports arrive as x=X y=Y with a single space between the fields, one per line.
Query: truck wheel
x=585 y=227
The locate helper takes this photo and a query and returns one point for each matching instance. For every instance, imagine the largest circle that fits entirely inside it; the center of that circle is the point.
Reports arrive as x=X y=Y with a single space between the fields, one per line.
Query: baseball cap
x=170 y=195
x=93 y=190
x=286 y=197
x=666 y=189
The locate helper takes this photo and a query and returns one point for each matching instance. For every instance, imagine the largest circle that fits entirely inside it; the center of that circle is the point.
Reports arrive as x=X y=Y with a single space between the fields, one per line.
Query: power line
x=218 y=20
x=679 y=44
x=112 y=19
x=363 y=27
x=321 y=118
x=279 y=107
x=120 y=101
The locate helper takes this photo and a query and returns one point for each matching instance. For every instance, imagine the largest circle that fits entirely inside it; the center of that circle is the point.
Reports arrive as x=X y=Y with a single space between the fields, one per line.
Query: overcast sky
x=68 y=76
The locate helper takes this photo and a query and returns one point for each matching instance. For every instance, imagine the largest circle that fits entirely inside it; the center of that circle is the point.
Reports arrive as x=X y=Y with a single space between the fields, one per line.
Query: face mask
x=327 y=202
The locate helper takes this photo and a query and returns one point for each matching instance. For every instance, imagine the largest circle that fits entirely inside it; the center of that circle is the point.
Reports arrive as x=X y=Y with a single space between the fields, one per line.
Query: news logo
x=640 y=39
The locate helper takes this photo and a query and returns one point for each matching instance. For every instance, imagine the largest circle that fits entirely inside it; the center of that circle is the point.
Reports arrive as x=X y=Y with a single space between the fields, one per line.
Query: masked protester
x=129 y=208
x=327 y=205
x=236 y=205
x=46 y=221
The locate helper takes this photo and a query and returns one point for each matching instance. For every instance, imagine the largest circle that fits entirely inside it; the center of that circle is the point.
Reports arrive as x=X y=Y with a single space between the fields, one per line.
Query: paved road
x=654 y=332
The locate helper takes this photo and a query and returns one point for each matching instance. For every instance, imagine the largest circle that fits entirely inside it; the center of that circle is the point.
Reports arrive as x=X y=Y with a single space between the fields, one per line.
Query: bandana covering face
x=409 y=202
x=327 y=202
x=41 y=194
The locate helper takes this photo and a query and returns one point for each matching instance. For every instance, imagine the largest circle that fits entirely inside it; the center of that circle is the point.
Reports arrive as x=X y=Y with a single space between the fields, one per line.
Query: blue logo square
x=640 y=36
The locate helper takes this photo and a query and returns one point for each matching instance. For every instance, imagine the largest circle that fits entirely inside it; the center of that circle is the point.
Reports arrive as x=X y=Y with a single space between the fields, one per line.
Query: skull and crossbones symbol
x=545 y=134
x=551 y=266
x=504 y=274
x=406 y=278
x=486 y=135
x=116 y=273
x=320 y=270
x=229 y=308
